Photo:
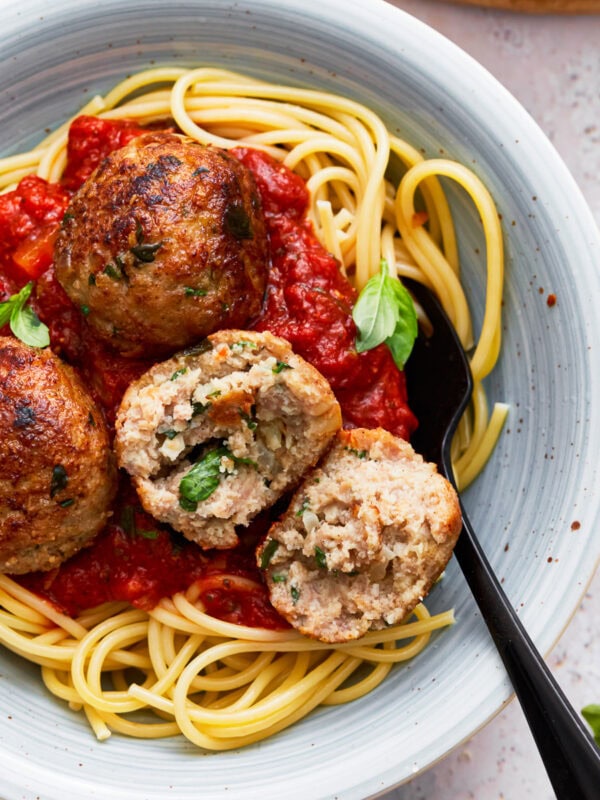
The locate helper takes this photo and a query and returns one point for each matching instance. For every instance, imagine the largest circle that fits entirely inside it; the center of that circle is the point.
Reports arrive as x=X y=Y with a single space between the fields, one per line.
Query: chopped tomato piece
x=34 y=254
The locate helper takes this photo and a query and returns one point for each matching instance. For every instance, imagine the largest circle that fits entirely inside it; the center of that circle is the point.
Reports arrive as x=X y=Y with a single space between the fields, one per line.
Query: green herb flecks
x=199 y=408
x=23 y=321
x=591 y=715
x=237 y=222
x=145 y=252
x=189 y=291
x=203 y=346
x=177 y=373
x=280 y=366
x=59 y=479
x=114 y=270
x=320 y=558
x=250 y=422
x=385 y=312
x=304 y=507
x=149 y=534
x=295 y=593
x=358 y=453
x=66 y=503
x=268 y=552
x=170 y=434
x=127 y=520
x=279 y=578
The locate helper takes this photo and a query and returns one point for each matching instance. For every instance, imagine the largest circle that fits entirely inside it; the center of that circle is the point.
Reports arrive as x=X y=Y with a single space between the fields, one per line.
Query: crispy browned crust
x=48 y=420
x=164 y=244
x=366 y=535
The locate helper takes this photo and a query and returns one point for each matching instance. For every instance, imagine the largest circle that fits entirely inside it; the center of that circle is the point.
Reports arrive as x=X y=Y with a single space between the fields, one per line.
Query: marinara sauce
x=308 y=302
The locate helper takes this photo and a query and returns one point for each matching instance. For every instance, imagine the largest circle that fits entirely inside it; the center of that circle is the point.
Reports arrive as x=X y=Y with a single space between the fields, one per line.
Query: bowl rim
x=379 y=17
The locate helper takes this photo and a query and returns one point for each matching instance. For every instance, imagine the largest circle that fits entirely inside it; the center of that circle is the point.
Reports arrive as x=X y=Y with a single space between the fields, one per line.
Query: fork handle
x=568 y=751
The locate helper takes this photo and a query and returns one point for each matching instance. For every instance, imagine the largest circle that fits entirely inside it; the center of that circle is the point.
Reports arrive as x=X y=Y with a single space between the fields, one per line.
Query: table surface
x=551 y=64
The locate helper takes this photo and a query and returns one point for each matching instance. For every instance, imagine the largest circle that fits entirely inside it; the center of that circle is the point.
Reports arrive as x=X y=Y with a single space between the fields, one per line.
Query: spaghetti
x=224 y=685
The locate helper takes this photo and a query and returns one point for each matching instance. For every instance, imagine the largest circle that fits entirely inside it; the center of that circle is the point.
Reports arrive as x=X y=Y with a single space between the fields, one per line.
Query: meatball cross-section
x=216 y=434
x=365 y=537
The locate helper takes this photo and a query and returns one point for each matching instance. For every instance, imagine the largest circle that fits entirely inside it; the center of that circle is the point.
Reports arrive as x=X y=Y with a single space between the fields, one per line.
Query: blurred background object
x=538 y=6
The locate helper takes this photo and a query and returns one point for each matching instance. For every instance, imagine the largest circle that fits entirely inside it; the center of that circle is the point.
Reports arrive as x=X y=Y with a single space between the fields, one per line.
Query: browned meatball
x=164 y=244
x=58 y=476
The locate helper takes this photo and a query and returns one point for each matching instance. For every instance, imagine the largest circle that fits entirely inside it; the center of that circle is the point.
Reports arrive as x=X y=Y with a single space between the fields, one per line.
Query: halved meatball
x=366 y=535
x=216 y=434
x=164 y=244
x=58 y=475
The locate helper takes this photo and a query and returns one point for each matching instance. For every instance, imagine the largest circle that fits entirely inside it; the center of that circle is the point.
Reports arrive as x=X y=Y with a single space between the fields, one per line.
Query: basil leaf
x=374 y=312
x=5 y=312
x=402 y=340
x=24 y=322
x=204 y=477
x=187 y=505
x=26 y=326
x=385 y=313
x=591 y=715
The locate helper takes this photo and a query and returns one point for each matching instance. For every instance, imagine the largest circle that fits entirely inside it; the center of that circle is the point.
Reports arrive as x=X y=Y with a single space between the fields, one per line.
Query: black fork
x=440 y=386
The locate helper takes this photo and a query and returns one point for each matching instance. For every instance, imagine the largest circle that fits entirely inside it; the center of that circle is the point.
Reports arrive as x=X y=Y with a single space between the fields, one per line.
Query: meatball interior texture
x=241 y=415
x=58 y=474
x=367 y=534
x=164 y=244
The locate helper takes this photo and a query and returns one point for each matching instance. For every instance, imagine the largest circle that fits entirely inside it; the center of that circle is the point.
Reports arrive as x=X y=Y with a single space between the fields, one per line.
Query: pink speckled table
x=552 y=65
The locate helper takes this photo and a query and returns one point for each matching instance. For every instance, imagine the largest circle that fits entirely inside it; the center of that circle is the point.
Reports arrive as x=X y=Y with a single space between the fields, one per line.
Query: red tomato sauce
x=138 y=560
x=308 y=302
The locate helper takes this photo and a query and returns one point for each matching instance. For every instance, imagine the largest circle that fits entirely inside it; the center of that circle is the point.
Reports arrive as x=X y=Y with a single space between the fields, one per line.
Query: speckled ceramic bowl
x=536 y=505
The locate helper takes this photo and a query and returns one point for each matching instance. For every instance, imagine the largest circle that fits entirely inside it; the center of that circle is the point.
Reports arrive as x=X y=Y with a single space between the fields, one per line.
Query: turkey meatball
x=164 y=244
x=58 y=475
x=214 y=436
x=365 y=537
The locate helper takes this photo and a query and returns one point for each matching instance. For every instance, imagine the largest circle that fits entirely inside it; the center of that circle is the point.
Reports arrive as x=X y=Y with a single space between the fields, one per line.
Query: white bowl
x=542 y=477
